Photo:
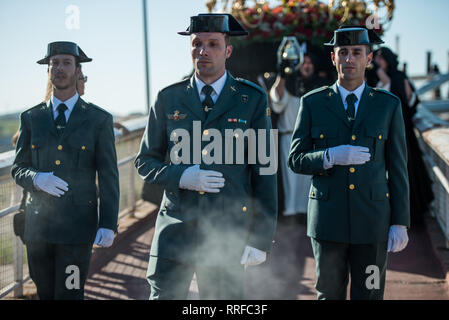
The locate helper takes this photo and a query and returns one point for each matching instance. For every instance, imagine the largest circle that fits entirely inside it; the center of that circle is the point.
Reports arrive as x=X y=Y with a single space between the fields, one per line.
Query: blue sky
x=111 y=33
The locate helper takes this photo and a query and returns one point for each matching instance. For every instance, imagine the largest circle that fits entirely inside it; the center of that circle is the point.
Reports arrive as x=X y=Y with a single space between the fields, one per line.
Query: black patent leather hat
x=352 y=36
x=64 y=47
x=214 y=22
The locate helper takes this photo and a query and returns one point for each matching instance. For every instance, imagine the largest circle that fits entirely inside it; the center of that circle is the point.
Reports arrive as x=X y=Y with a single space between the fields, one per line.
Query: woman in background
x=395 y=81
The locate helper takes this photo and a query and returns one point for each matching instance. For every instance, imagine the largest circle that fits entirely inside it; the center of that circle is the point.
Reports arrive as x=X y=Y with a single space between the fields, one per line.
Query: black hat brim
x=233 y=27
x=64 y=47
x=373 y=38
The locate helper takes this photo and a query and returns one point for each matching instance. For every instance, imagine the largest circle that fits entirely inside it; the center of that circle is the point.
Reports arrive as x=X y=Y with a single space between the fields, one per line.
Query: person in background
x=285 y=95
x=397 y=82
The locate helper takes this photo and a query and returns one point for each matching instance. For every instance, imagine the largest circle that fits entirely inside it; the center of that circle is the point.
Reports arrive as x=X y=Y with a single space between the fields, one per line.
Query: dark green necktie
x=207 y=103
x=60 y=121
x=351 y=100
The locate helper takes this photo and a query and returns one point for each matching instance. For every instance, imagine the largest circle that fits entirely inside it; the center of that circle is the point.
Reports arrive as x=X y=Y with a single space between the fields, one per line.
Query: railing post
x=132 y=187
x=18 y=249
x=18 y=266
x=446 y=210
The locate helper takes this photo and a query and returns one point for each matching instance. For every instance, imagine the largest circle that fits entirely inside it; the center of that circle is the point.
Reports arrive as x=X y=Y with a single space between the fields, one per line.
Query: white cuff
x=326 y=163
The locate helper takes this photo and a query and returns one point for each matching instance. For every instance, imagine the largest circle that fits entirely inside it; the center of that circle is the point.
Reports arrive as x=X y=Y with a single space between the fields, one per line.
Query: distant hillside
x=9 y=124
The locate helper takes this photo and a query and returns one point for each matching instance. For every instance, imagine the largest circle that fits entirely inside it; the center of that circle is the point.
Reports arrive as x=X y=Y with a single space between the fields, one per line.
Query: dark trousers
x=170 y=280
x=59 y=270
x=336 y=261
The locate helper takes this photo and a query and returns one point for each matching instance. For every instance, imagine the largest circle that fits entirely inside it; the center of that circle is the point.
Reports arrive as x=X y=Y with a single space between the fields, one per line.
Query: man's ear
x=228 y=51
x=333 y=57
x=369 y=59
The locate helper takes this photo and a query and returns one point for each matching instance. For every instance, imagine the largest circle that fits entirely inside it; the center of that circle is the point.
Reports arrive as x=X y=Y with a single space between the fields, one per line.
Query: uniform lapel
x=224 y=101
x=76 y=119
x=43 y=120
x=363 y=108
x=192 y=100
x=336 y=104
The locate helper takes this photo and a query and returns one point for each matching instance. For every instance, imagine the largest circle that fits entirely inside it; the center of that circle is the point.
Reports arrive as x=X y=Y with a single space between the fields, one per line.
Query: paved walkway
x=289 y=274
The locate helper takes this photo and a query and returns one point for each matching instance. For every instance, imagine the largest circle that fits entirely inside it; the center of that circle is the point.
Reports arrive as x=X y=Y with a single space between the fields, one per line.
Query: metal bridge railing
x=433 y=136
x=13 y=264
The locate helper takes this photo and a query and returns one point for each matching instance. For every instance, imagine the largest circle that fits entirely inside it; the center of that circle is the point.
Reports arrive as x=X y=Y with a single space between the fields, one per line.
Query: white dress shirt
x=344 y=93
x=217 y=86
x=70 y=103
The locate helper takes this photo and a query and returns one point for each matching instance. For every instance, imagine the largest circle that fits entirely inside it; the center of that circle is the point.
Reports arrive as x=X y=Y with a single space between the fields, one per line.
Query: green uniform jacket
x=86 y=147
x=209 y=228
x=357 y=203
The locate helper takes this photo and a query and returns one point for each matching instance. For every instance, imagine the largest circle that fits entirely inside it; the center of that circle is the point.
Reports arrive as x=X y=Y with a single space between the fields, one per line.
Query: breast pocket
x=376 y=142
x=324 y=137
x=82 y=151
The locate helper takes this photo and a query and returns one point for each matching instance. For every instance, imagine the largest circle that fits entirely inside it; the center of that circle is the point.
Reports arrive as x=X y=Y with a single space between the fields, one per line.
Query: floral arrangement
x=305 y=19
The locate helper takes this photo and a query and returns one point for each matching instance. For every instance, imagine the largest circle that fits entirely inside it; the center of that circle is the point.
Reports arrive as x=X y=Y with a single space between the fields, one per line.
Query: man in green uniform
x=63 y=144
x=218 y=211
x=350 y=137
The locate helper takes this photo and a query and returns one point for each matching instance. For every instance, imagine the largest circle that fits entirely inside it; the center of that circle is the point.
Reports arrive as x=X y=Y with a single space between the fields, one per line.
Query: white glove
x=193 y=178
x=104 y=238
x=397 y=238
x=252 y=256
x=346 y=154
x=50 y=183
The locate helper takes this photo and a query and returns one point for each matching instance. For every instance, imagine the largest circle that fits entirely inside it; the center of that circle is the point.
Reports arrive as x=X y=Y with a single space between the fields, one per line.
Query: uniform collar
x=217 y=85
x=70 y=103
x=344 y=92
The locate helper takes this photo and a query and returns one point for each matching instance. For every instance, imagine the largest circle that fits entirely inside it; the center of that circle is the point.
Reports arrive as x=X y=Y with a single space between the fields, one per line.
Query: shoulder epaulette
x=36 y=107
x=385 y=92
x=182 y=82
x=94 y=106
x=315 y=91
x=250 y=84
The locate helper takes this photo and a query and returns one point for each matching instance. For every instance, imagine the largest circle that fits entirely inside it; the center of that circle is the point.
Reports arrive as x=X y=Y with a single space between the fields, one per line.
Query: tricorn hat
x=354 y=35
x=64 y=47
x=215 y=22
